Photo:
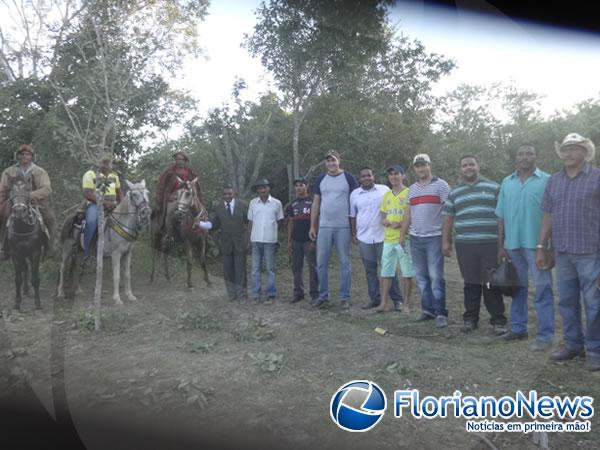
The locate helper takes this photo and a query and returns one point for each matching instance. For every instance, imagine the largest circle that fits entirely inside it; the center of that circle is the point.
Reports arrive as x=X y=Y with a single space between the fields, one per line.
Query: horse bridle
x=141 y=211
x=20 y=202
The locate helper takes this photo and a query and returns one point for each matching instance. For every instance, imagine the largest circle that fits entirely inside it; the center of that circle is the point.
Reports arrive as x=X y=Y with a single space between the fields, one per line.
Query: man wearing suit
x=231 y=217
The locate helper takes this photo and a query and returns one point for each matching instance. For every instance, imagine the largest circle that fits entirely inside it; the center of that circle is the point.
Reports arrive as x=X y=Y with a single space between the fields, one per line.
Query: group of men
x=529 y=220
x=532 y=219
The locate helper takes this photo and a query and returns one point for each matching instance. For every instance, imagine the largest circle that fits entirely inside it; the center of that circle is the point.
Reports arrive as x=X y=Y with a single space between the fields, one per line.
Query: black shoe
x=321 y=303
x=565 y=354
x=468 y=327
x=370 y=305
x=512 y=336
x=592 y=363
x=423 y=317
x=297 y=298
x=499 y=330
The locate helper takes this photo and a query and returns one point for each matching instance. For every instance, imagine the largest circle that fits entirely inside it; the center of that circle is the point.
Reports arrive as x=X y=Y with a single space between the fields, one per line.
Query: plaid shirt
x=574 y=204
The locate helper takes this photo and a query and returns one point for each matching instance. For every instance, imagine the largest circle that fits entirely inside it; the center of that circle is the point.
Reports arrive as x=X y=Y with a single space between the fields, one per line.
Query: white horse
x=122 y=228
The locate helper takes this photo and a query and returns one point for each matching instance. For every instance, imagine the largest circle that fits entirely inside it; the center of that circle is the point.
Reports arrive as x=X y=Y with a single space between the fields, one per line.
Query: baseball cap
x=422 y=158
x=396 y=168
x=332 y=154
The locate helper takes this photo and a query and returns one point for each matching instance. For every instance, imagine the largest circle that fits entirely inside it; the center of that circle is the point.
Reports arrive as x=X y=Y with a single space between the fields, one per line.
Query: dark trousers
x=234 y=272
x=473 y=260
x=300 y=252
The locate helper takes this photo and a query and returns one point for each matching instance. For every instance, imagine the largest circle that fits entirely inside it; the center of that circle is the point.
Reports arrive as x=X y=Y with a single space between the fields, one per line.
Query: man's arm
x=44 y=189
x=545 y=233
x=314 y=217
x=447 y=235
x=502 y=255
x=353 y=228
x=89 y=195
x=405 y=226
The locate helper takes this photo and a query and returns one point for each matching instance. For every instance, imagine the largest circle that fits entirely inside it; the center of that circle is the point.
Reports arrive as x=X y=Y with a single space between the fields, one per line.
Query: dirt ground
x=184 y=367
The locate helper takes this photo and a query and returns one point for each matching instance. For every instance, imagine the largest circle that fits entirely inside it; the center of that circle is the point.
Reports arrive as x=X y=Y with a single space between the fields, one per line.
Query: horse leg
x=18 y=282
x=153 y=263
x=189 y=257
x=116 y=269
x=166 y=263
x=203 y=263
x=128 y=291
x=35 y=277
x=26 y=282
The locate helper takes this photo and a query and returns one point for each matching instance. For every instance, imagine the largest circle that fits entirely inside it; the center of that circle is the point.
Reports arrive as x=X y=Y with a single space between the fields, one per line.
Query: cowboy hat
x=182 y=153
x=262 y=182
x=580 y=141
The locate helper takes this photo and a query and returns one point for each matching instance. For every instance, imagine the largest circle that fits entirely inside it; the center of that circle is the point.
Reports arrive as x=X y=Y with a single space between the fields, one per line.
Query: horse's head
x=20 y=200
x=138 y=196
x=186 y=196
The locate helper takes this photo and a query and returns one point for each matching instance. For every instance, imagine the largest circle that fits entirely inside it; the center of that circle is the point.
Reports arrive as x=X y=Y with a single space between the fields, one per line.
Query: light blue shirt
x=520 y=206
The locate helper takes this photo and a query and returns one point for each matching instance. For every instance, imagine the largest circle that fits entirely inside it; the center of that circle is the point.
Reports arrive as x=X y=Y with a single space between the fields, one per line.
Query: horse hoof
x=132 y=298
x=38 y=307
x=118 y=302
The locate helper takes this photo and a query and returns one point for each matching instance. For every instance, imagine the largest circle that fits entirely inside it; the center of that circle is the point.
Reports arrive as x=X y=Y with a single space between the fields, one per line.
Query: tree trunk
x=290 y=182
x=295 y=144
x=99 y=260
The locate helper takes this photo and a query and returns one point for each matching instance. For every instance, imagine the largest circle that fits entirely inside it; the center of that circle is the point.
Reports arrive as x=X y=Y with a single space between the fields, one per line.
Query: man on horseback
x=170 y=181
x=30 y=172
x=112 y=197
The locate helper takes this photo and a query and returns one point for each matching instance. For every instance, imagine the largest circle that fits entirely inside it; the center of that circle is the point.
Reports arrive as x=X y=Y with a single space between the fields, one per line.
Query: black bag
x=504 y=277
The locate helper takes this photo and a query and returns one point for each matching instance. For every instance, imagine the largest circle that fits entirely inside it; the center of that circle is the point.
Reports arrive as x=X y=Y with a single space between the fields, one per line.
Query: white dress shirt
x=364 y=206
x=264 y=217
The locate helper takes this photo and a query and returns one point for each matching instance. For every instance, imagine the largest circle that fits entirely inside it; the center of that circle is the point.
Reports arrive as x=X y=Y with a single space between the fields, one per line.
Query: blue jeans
x=429 y=267
x=263 y=251
x=91 y=225
x=524 y=261
x=371 y=257
x=577 y=275
x=326 y=239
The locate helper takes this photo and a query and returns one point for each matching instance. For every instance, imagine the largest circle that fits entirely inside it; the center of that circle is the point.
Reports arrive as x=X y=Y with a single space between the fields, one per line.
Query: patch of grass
x=86 y=321
x=194 y=393
x=198 y=347
x=267 y=362
x=396 y=369
x=253 y=329
x=196 y=320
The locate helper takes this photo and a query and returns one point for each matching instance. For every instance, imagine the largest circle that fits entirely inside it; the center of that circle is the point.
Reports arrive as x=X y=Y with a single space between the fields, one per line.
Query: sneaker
x=566 y=354
x=499 y=330
x=468 y=327
x=398 y=306
x=441 y=322
x=423 y=317
x=592 y=363
x=540 y=346
x=321 y=303
x=345 y=304
x=512 y=336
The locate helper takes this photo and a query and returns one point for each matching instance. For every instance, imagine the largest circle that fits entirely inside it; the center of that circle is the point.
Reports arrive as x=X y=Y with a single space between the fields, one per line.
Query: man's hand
x=502 y=256
x=386 y=223
x=540 y=259
x=447 y=249
x=354 y=240
x=312 y=234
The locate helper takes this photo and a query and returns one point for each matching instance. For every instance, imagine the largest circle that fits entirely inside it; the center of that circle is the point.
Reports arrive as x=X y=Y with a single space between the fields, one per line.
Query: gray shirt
x=335 y=201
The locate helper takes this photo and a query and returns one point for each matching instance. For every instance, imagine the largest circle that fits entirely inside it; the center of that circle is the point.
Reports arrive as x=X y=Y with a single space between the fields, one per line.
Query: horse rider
x=112 y=197
x=39 y=195
x=169 y=182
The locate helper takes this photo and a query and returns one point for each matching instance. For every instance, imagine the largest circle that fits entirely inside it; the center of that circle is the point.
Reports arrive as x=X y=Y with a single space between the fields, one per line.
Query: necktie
x=229 y=207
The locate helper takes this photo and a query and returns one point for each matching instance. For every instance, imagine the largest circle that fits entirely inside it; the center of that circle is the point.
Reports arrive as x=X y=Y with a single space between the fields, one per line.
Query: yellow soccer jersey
x=89 y=182
x=393 y=206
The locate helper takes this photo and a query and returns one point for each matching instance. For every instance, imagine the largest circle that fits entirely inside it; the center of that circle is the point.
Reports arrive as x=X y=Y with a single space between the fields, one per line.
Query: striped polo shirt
x=473 y=207
x=426 y=202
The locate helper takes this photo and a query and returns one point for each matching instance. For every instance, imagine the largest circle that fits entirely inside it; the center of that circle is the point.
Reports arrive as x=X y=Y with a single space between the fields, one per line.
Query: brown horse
x=25 y=240
x=182 y=227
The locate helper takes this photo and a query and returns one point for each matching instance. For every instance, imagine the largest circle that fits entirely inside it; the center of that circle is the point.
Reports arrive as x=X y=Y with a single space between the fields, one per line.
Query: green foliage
x=267 y=362
x=253 y=329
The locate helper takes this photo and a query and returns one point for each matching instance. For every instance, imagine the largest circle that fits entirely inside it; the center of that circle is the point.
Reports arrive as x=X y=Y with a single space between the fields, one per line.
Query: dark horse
x=184 y=228
x=25 y=239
